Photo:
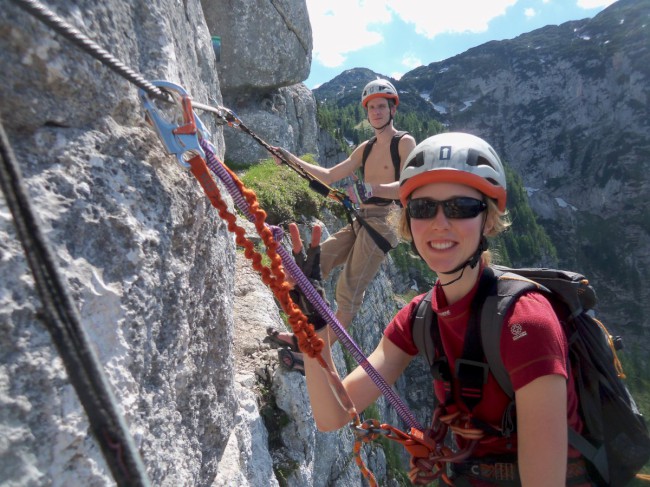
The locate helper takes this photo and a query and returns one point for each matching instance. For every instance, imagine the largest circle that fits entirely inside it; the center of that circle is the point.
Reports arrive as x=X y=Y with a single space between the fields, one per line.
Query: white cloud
x=433 y=18
x=411 y=61
x=340 y=27
x=530 y=13
x=343 y=26
x=589 y=4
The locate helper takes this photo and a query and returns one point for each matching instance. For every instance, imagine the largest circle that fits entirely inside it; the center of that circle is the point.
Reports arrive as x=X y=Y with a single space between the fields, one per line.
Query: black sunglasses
x=458 y=207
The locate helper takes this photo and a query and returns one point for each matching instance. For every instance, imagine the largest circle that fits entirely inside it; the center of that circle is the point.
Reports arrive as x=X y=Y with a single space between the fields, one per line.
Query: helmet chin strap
x=472 y=261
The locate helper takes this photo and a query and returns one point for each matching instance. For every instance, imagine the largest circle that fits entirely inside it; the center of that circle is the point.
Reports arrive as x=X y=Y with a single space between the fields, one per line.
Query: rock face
x=148 y=265
x=265 y=55
x=265 y=44
x=282 y=117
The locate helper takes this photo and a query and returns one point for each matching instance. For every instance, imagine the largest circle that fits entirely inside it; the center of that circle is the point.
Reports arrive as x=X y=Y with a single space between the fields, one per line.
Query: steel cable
x=82 y=41
x=64 y=324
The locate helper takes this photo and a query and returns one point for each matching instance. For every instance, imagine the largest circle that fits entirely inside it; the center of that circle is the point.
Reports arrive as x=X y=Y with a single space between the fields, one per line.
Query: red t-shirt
x=533 y=345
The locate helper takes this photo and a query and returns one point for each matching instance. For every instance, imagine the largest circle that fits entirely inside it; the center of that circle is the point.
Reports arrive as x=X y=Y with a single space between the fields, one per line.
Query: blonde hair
x=496 y=222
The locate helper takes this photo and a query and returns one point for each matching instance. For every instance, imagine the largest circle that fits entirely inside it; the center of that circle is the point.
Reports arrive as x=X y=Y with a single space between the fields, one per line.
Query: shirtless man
x=375 y=190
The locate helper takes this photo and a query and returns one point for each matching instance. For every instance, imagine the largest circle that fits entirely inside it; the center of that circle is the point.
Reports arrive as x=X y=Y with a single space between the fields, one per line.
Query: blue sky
x=392 y=37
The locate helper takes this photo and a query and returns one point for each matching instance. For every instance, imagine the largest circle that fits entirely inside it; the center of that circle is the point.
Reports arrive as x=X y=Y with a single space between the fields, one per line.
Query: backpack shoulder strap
x=509 y=287
x=426 y=336
x=366 y=153
x=394 y=151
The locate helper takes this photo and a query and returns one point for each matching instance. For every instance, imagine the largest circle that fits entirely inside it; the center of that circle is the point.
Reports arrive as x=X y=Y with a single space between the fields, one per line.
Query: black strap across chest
x=394 y=152
x=394 y=155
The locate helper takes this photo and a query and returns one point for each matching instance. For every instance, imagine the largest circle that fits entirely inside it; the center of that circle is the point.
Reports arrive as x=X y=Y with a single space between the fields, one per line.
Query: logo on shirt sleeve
x=517 y=332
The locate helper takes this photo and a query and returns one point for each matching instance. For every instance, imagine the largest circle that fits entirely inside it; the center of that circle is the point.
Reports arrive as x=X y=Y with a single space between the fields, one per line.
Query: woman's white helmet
x=379 y=88
x=454 y=157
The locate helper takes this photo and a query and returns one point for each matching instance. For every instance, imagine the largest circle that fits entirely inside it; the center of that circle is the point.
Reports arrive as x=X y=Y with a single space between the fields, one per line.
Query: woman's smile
x=441 y=245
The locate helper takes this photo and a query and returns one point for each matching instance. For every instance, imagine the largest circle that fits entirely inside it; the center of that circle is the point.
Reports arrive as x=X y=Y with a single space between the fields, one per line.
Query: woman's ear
x=488 y=225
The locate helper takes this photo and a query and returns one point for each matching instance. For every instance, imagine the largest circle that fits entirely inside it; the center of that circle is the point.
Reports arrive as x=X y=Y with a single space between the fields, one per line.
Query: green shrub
x=281 y=192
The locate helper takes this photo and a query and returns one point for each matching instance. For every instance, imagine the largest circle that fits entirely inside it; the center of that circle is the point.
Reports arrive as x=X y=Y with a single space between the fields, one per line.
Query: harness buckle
x=505 y=471
x=179 y=132
x=472 y=376
x=488 y=471
x=361 y=432
x=369 y=428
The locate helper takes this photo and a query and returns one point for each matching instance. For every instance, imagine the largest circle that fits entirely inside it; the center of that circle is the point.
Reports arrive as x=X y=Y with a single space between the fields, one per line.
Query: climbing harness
x=395 y=158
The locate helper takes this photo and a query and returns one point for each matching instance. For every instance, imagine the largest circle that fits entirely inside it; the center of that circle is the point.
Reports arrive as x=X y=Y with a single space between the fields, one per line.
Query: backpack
x=615 y=441
x=394 y=154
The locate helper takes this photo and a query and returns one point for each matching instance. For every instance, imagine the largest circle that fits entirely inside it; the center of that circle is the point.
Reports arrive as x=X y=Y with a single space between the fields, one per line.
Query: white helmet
x=379 y=88
x=454 y=157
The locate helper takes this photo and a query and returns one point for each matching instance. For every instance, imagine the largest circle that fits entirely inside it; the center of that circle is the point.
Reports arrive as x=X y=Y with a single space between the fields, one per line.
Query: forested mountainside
x=567 y=107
